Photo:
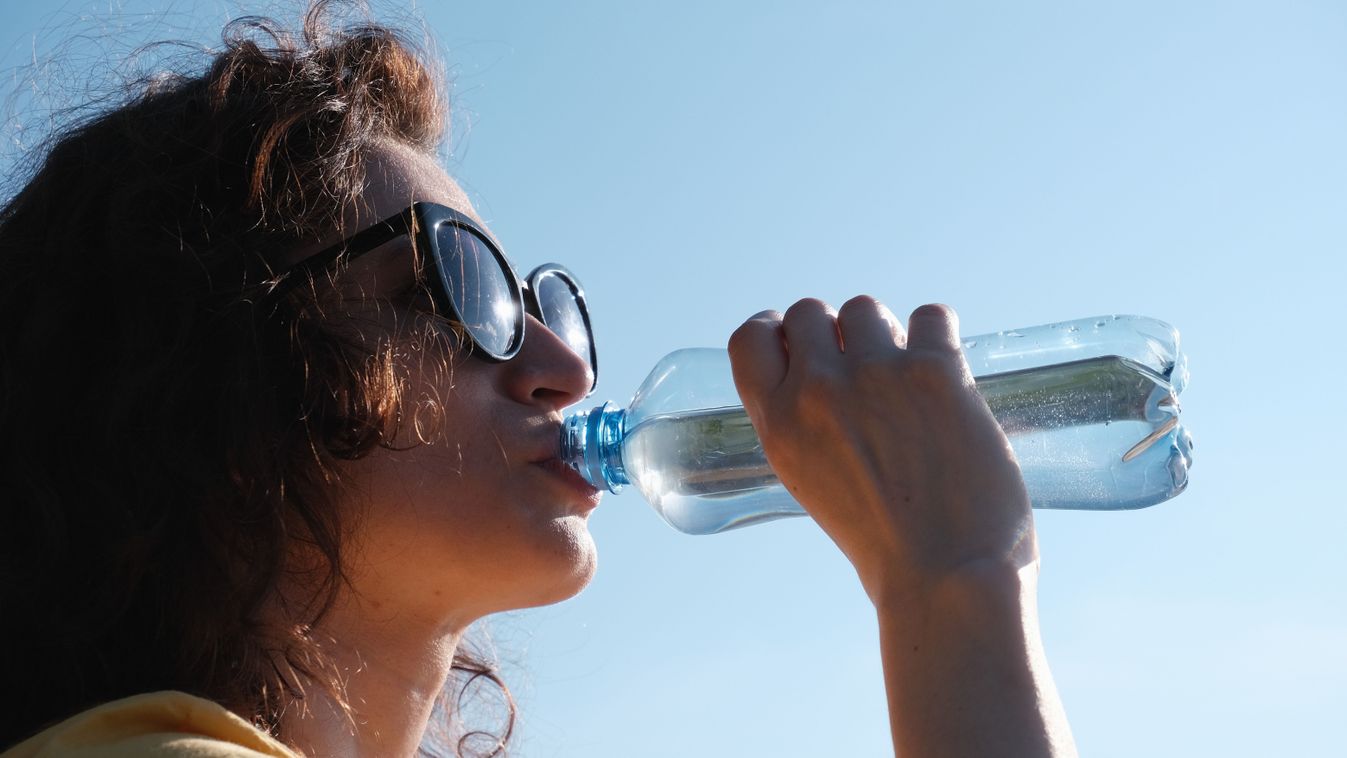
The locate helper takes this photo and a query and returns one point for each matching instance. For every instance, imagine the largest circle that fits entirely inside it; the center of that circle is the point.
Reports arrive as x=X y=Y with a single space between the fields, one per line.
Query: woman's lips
x=572 y=478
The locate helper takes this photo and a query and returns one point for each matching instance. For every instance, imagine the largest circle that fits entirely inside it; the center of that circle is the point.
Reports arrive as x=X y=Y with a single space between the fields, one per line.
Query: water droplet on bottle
x=1073 y=328
x=1099 y=324
x=970 y=344
x=1014 y=334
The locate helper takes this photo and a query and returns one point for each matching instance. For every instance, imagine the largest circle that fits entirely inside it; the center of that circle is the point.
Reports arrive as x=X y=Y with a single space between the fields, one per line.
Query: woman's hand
x=880 y=434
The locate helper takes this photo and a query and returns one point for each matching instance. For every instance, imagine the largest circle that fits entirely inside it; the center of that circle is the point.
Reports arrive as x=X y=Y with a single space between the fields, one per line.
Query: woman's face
x=482 y=517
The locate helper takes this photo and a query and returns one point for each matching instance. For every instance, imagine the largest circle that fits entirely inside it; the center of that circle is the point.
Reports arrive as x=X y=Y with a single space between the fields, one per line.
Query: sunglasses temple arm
x=353 y=247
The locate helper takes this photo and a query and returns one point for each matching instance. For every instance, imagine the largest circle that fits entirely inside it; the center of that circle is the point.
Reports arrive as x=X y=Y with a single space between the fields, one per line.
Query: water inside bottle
x=704 y=470
x=1100 y=433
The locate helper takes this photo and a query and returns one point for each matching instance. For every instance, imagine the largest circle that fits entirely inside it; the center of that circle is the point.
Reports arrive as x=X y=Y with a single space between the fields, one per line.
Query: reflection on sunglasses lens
x=561 y=312
x=479 y=287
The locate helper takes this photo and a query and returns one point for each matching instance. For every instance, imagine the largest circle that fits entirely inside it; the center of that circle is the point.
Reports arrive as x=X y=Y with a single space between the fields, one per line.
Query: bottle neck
x=591 y=443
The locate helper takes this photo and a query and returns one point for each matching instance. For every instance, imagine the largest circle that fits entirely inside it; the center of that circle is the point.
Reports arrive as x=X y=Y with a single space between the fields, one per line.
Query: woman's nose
x=546 y=370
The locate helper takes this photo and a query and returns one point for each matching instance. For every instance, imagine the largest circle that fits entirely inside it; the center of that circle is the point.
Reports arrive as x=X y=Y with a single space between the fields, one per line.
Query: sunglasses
x=473 y=282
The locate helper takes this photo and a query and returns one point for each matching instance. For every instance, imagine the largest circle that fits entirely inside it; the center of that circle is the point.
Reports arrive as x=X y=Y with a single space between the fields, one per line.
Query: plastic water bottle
x=1090 y=407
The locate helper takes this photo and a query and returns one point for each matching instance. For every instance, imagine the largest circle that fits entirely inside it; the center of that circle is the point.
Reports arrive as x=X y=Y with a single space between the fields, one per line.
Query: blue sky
x=1029 y=162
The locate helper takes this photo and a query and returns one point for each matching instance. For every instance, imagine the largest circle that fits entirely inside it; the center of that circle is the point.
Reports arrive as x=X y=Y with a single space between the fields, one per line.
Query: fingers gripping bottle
x=1089 y=406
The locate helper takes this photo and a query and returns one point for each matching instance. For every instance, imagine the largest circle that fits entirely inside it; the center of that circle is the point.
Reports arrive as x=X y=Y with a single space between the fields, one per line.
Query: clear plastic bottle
x=1090 y=407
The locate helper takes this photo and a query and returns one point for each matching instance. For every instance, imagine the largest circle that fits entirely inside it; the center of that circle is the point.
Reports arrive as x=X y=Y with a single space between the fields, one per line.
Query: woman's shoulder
x=164 y=724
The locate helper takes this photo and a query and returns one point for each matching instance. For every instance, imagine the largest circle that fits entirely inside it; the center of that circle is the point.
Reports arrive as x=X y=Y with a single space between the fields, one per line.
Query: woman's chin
x=556 y=566
x=574 y=572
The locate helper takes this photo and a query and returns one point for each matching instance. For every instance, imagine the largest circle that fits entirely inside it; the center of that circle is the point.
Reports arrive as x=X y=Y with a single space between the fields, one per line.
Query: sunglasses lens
x=562 y=314
x=481 y=289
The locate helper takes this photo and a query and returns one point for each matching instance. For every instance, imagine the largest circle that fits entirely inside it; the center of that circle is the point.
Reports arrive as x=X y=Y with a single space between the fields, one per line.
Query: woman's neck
x=391 y=672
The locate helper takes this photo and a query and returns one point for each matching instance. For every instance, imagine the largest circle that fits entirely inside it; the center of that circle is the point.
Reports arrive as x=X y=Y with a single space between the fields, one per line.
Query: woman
x=281 y=426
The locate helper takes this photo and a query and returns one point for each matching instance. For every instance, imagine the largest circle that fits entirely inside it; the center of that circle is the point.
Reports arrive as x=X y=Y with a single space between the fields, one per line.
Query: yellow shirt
x=161 y=724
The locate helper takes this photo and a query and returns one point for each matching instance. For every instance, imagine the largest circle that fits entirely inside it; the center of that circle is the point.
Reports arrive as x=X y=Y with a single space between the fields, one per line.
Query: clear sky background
x=1026 y=162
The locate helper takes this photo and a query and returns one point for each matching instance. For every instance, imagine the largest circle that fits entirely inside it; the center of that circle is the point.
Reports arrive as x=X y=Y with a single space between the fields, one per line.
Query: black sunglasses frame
x=423 y=221
x=532 y=284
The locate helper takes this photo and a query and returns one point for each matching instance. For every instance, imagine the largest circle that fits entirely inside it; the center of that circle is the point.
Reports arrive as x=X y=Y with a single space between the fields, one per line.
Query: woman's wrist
x=975 y=589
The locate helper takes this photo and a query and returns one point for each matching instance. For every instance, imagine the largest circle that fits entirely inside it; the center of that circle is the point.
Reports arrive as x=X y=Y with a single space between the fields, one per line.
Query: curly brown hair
x=168 y=441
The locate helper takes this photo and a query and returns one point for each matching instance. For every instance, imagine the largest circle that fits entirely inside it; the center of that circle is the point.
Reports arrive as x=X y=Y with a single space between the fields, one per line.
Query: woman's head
x=191 y=473
x=483 y=493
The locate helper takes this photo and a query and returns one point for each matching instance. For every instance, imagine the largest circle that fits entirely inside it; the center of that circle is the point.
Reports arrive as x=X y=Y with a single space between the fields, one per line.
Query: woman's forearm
x=965 y=670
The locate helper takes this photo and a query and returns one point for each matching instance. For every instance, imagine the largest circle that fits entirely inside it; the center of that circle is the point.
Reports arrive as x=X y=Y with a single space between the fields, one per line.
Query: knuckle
x=935 y=312
x=809 y=307
x=861 y=304
x=938 y=326
x=738 y=339
x=749 y=333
